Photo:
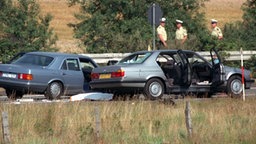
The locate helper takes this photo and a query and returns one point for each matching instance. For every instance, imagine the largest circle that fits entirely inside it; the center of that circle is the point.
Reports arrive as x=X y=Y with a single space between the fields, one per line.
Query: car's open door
x=186 y=69
x=218 y=73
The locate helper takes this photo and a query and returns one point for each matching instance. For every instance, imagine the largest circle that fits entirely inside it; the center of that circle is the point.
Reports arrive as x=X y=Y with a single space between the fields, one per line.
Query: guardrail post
x=5 y=128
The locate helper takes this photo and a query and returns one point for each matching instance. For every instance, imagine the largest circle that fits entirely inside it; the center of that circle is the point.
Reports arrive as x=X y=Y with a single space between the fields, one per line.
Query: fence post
x=5 y=128
x=242 y=69
x=188 y=119
x=97 y=121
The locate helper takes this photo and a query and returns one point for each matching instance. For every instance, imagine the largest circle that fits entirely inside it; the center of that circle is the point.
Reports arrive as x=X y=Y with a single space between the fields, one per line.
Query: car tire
x=54 y=90
x=154 y=89
x=13 y=94
x=235 y=87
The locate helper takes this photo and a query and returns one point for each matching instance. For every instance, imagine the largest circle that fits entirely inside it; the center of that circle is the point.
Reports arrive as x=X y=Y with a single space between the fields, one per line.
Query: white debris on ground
x=97 y=96
x=24 y=100
x=90 y=96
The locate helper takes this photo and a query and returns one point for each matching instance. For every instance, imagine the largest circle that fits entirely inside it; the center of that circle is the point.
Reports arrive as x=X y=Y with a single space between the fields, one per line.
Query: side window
x=64 y=65
x=195 y=59
x=70 y=64
x=164 y=59
x=177 y=58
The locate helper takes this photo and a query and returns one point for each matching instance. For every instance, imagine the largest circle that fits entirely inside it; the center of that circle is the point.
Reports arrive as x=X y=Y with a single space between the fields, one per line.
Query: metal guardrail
x=105 y=57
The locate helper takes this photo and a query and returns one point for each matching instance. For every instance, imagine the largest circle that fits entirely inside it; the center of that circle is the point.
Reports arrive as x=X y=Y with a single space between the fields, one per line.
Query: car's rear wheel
x=54 y=90
x=13 y=94
x=154 y=89
x=235 y=87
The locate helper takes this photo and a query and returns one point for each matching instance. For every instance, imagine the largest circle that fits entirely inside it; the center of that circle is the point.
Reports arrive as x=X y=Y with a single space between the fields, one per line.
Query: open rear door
x=186 y=69
x=218 y=73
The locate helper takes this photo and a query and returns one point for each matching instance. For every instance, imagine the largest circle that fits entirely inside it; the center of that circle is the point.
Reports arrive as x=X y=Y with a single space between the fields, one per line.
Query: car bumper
x=107 y=85
x=26 y=86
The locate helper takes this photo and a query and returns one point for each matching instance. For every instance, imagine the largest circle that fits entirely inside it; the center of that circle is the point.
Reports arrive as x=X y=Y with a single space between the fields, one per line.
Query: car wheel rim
x=155 y=89
x=55 y=90
x=236 y=86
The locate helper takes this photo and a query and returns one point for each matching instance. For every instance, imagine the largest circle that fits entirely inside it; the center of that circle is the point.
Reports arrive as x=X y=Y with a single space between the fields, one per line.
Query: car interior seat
x=176 y=73
x=171 y=71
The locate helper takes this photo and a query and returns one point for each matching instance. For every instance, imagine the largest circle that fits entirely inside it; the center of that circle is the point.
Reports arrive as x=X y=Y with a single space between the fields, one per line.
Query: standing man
x=216 y=31
x=162 y=35
x=180 y=35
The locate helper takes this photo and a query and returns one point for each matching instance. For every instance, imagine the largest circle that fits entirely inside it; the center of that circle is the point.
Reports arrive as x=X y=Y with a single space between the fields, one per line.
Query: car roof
x=167 y=50
x=54 y=54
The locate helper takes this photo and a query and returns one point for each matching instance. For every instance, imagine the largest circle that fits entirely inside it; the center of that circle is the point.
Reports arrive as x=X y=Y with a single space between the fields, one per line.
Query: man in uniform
x=216 y=31
x=162 y=35
x=180 y=35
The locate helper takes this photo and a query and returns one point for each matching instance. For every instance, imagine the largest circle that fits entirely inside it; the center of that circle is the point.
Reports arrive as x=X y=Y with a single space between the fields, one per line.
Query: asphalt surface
x=40 y=98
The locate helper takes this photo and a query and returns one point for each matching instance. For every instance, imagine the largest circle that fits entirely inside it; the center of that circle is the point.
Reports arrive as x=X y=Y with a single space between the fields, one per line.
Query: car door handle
x=64 y=74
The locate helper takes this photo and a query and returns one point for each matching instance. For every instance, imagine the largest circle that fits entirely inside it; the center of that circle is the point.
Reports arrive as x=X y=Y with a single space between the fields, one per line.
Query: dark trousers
x=159 y=45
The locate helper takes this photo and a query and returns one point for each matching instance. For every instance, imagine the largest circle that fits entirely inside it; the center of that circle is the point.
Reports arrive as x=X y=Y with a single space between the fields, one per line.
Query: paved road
x=29 y=98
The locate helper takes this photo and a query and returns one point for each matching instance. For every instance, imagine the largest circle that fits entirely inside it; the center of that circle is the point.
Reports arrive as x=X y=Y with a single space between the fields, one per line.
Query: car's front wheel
x=54 y=90
x=235 y=87
x=13 y=94
x=154 y=89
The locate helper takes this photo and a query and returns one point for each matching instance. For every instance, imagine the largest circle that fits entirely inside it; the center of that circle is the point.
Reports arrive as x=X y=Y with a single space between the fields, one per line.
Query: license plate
x=105 y=76
x=8 y=75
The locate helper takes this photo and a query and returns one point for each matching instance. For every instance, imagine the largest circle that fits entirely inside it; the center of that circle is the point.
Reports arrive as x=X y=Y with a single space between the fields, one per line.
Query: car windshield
x=31 y=59
x=135 y=58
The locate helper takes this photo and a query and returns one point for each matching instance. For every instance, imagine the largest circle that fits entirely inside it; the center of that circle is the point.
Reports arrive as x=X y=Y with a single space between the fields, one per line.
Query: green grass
x=213 y=120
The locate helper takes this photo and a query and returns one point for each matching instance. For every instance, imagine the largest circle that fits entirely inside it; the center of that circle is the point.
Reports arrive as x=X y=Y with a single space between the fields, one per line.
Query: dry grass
x=63 y=15
x=214 y=121
x=225 y=11
x=222 y=10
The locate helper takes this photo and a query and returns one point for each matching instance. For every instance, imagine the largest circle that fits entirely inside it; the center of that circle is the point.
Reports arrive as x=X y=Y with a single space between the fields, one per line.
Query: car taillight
x=118 y=73
x=95 y=76
x=1 y=73
x=25 y=76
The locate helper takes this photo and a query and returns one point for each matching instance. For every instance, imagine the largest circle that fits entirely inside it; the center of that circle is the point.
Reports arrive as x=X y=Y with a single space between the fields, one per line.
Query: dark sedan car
x=170 y=71
x=49 y=73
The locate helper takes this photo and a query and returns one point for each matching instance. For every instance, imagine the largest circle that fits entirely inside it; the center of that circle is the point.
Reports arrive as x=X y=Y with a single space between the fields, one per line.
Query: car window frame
x=67 y=67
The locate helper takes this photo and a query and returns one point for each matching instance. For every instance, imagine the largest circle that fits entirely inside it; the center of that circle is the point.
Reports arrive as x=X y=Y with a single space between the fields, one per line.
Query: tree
x=23 y=29
x=121 y=25
x=249 y=21
x=242 y=34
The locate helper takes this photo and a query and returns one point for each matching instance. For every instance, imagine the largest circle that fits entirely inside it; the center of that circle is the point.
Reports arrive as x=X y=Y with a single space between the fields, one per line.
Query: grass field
x=222 y=10
x=221 y=121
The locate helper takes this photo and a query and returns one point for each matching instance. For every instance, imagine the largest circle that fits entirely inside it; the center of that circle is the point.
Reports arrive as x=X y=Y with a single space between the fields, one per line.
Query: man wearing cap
x=216 y=31
x=180 y=35
x=162 y=35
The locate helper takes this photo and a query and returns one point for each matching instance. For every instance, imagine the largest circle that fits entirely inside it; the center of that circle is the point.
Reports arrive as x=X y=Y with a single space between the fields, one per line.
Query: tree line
x=118 y=26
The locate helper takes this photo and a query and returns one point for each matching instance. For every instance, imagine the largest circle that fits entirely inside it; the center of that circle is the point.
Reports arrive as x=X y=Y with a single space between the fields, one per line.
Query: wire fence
x=100 y=126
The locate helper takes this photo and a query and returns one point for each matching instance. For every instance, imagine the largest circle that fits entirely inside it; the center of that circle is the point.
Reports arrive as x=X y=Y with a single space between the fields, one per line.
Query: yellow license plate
x=105 y=76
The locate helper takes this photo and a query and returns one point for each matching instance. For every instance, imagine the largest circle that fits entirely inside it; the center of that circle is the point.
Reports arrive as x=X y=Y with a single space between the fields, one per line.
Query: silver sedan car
x=49 y=73
x=159 y=72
